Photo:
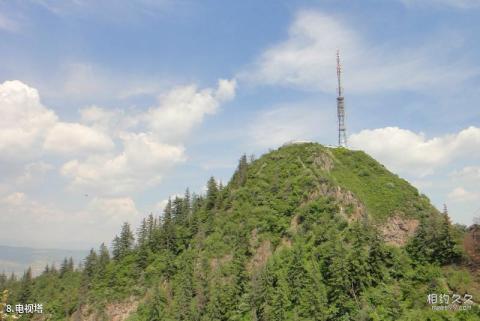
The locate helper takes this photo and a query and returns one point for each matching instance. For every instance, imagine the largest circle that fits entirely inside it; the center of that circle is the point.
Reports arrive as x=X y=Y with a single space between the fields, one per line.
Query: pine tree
x=151 y=227
x=178 y=211
x=445 y=250
x=142 y=233
x=25 y=287
x=168 y=228
x=71 y=265
x=240 y=176
x=296 y=275
x=126 y=240
x=313 y=303
x=157 y=306
x=212 y=193
x=3 y=281
x=419 y=246
x=103 y=260
x=91 y=264
x=64 y=267
x=184 y=288
x=116 y=248
x=187 y=205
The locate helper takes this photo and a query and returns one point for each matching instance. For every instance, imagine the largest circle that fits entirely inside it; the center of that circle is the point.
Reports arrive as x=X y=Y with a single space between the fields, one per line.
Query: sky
x=107 y=108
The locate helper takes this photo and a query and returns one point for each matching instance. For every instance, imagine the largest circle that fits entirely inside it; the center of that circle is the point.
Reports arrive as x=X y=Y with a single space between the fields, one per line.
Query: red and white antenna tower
x=342 y=130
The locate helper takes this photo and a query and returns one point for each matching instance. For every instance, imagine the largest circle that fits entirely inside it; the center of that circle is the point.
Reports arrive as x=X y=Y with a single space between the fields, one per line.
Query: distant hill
x=18 y=259
x=305 y=232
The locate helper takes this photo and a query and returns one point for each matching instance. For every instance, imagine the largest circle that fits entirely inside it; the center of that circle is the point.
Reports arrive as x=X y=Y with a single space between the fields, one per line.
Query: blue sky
x=85 y=88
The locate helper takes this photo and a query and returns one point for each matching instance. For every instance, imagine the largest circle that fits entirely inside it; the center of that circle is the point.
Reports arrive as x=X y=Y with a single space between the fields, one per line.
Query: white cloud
x=287 y=123
x=185 y=107
x=85 y=81
x=307 y=60
x=24 y=121
x=95 y=114
x=114 y=121
x=142 y=164
x=71 y=138
x=33 y=172
x=19 y=209
x=28 y=129
x=150 y=142
x=147 y=155
x=407 y=152
x=468 y=174
x=119 y=209
x=26 y=221
x=106 y=154
x=460 y=194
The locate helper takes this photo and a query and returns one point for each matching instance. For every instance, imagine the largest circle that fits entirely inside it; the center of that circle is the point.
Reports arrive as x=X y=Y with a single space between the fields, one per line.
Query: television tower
x=342 y=130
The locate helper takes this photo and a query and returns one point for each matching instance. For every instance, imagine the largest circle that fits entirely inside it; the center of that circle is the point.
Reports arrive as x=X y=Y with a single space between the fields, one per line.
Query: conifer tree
x=104 y=255
x=64 y=267
x=168 y=229
x=418 y=247
x=91 y=264
x=212 y=193
x=178 y=211
x=240 y=176
x=25 y=287
x=142 y=233
x=445 y=250
x=71 y=265
x=157 y=307
x=187 y=205
x=116 y=248
x=103 y=260
x=3 y=280
x=126 y=240
x=151 y=227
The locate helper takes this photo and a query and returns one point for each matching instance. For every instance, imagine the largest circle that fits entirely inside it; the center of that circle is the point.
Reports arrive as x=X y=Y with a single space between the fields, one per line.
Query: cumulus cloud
x=460 y=194
x=33 y=172
x=307 y=60
x=288 y=123
x=108 y=154
x=184 y=107
x=468 y=174
x=91 y=224
x=27 y=128
x=114 y=151
x=24 y=121
x=118 y=210
x=142 y=164
x=148 y=154
x=405 y=151
x=70 y=138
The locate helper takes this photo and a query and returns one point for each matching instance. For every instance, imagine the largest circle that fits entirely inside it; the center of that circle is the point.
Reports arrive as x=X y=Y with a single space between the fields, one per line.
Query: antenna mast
x=342 y=131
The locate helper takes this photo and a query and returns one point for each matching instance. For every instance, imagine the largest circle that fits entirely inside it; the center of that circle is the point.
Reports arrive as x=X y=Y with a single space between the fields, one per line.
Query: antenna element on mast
x=342 y=130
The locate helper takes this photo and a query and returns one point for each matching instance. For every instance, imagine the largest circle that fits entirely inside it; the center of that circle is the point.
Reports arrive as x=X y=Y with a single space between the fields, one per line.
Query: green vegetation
x=293 y=236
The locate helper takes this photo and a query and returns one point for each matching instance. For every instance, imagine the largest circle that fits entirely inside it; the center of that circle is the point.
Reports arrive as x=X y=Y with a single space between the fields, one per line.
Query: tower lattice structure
x=342 y=130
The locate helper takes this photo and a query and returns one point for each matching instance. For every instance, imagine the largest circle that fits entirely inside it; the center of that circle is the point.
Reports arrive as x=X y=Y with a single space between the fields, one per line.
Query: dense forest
x=305 y=232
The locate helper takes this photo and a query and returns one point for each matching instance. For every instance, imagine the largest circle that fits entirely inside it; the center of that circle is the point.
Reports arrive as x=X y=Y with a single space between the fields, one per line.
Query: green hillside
x=298 y=234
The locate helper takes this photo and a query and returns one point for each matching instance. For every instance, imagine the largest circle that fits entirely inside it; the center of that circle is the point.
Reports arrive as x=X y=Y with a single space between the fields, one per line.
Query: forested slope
x=298 y=234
